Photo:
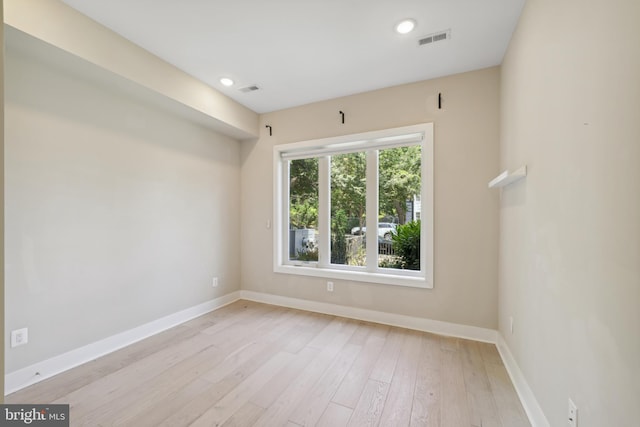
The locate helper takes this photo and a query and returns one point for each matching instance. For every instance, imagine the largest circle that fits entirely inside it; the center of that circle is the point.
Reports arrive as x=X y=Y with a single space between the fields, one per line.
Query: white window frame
x=322 y=148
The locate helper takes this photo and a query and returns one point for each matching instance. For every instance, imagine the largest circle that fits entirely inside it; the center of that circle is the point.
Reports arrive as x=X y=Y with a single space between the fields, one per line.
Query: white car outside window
x=385 y=230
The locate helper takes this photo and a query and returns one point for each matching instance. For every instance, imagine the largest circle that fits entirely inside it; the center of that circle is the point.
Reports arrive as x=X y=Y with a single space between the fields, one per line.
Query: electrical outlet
x=329 y=286
x=511 y=323
x=19 y=337
x=214 y=283
x=573 y=414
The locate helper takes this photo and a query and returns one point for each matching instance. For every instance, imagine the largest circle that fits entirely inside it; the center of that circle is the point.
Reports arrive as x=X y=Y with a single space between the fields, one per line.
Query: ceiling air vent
x=251 y=88
x=435 y=37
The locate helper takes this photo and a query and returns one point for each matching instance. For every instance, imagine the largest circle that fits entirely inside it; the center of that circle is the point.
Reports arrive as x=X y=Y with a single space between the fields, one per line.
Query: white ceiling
x=302 y=51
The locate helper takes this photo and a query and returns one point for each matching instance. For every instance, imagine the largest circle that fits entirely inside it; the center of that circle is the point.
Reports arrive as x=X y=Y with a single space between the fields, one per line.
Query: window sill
x=358 y=276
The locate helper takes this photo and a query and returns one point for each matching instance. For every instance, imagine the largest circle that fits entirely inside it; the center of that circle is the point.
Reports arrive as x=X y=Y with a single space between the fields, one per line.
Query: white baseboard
x=409 y=322
x=37 y=372
x=528 y=399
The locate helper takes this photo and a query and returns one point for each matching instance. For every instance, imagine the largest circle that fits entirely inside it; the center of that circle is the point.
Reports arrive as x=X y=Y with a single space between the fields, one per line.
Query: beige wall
x=570 y=233
x=117 y=213
x=466 y=212
x=2 y=196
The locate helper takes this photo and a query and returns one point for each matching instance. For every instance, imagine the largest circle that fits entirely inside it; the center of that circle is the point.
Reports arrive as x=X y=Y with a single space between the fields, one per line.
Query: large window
x=357 y=207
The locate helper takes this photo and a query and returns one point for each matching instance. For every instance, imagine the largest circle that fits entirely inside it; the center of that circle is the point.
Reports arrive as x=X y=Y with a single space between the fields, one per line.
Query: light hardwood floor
x=250 y=364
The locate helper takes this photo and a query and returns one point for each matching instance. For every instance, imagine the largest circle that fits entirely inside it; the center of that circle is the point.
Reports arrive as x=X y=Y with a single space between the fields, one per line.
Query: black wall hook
x=342 y=114
x=440 y=101
x=270 y=130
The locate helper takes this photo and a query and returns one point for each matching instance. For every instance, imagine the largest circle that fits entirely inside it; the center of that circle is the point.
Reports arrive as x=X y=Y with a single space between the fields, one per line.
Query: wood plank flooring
x=251 y=364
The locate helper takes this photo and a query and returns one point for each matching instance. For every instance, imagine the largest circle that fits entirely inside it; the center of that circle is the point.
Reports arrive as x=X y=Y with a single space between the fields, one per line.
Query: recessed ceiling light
x=226 y=81
x=405 y=26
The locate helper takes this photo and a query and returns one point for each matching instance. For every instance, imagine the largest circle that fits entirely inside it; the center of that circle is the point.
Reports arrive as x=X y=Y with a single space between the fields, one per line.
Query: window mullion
x=324 y=211
x=372 y=210
x=284 y=206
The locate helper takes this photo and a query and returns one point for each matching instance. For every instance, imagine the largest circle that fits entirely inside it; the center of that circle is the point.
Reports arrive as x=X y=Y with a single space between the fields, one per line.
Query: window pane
x=348 y=207
x=303 y=210
x=399 y=177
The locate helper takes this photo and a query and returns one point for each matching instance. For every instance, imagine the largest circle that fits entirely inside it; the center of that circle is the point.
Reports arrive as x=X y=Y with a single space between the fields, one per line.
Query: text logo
x=34 y=415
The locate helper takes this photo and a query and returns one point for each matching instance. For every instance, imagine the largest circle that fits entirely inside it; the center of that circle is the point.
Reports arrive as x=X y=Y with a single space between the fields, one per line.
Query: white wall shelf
x=506 y=177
